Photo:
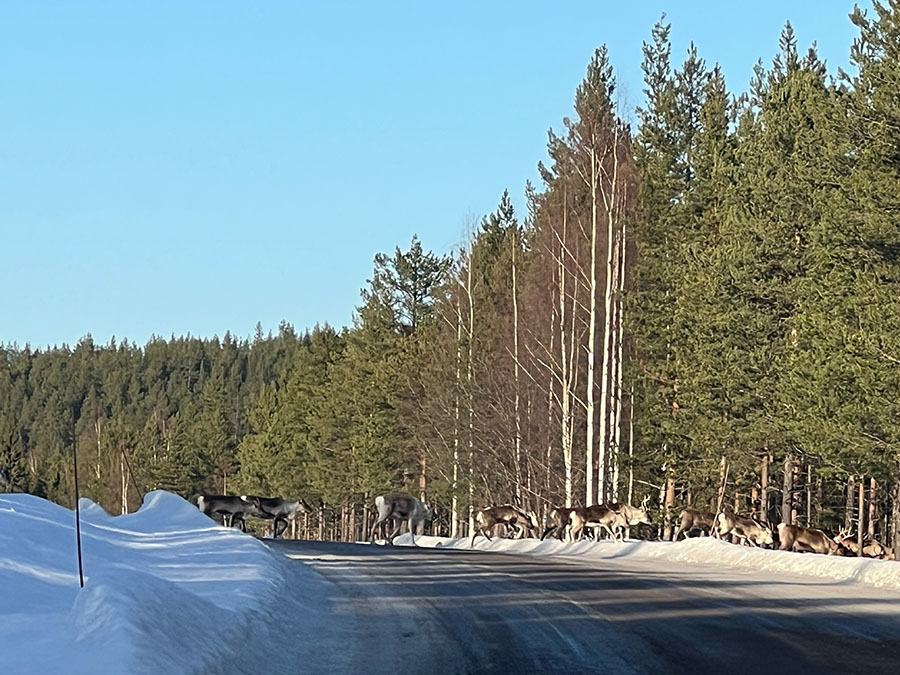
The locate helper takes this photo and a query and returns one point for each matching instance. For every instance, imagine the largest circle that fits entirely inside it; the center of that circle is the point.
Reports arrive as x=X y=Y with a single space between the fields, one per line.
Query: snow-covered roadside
x=166 y=591
x=705 y=550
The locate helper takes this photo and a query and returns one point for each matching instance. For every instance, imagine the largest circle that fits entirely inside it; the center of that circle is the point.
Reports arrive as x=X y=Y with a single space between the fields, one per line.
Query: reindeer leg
x=390 y=539
x=412 y=530
x=275 y=527
x=378 y=521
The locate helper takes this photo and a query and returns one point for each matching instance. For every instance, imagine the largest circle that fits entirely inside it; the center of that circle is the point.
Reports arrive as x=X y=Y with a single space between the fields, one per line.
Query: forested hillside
x=702 y=306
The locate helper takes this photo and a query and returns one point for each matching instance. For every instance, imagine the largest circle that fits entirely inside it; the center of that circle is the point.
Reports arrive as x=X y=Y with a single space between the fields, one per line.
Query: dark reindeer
x=279 y=510
x=233 y=510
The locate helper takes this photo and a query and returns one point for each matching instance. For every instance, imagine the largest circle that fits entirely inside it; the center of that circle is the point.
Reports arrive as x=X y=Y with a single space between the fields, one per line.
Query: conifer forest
x=700 y=303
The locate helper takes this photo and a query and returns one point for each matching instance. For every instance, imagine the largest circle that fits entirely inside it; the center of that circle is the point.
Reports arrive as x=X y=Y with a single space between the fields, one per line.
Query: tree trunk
x=590 y=469
x=787 y=491
x=873 y=507
x=895 y=517
x=809 y=484
x=515 y=304
x=848 y=512
x=764 y=489
x=454 y=503
x=631 y=446
x=611 y=204
x=670 y=502
x=619 y=360
x=860 y=530
x=723 y=485
x=124 y=482
x=470 y=379
x=567 y=367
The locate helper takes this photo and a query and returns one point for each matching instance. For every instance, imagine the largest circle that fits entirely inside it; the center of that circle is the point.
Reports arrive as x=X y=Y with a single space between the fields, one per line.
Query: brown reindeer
x=512 y=517
x=805 y=540
x=559 y=519
x=871 y=547
x=694 y=519
x=613 y=518
x=743 y=530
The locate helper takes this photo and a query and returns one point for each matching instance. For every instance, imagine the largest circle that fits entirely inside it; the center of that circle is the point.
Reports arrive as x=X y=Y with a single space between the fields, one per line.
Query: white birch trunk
x=515 y=304
x=611 y=204
x=454 y=503
x=591 y=491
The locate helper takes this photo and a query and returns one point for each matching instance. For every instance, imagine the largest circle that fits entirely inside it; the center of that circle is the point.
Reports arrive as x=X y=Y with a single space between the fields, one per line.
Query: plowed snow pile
x=705 y=550
x=166 y=591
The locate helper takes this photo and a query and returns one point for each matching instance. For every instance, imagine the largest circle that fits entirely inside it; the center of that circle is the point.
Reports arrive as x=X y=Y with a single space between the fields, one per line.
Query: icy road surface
x=424 y=610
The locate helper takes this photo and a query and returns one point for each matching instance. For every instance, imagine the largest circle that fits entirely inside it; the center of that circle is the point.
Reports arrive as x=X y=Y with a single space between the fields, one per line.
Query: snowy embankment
x=166 y=591
x=702 y=550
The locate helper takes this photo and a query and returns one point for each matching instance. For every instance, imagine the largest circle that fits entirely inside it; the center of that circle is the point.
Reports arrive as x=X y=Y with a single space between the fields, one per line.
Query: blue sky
x=198 y=167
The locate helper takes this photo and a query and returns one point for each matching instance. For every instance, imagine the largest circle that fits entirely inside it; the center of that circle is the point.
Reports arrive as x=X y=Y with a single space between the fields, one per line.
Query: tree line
x=701 y=305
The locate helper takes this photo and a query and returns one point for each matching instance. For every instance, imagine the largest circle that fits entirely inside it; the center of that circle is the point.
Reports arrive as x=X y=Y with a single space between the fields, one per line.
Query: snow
x=697 y=550
x=169 y=591
x=166 y=590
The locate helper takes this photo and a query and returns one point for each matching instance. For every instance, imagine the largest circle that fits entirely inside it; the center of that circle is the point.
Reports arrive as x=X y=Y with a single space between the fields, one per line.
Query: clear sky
x=198 y=167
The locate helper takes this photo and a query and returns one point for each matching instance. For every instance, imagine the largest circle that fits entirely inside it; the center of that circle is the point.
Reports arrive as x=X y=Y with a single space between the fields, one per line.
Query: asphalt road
x=408 y=610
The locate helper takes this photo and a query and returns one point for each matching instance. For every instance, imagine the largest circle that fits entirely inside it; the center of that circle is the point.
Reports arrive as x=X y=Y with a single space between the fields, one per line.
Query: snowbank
x=705 y=550
x=166 y=590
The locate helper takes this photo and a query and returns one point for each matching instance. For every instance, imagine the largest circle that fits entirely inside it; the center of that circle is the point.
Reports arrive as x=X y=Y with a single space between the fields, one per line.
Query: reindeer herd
x=565 y=523
x=233 y=511
x=752 y=532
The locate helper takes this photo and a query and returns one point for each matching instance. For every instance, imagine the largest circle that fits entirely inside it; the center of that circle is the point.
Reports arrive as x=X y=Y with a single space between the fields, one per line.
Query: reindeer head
x=842 y=536
x=641 y=514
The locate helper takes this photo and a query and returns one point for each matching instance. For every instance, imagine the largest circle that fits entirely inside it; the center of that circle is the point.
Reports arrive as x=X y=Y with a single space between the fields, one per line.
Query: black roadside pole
x=77 y=510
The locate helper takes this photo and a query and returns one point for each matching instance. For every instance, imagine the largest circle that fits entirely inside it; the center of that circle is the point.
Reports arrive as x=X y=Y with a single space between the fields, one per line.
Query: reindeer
x=744 y=530
x=400 y=508
x=559 y=520
x=594 y=517
x=510 y=516
x=632 y=515
x=277 y=509
x=692 y=519
x=805 y=539
x=613 y=518
x=232 y=509
x=871 y=547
